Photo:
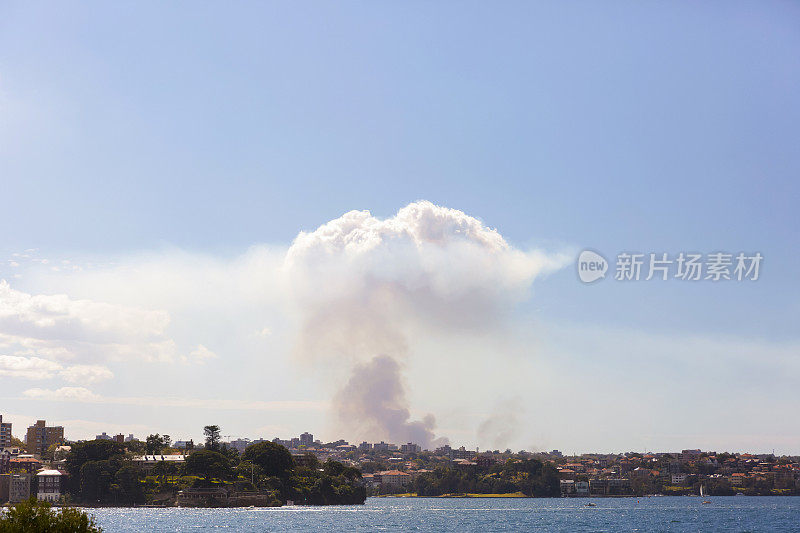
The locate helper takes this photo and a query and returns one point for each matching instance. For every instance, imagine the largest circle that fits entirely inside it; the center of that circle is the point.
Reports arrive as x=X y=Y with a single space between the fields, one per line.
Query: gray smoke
x=373 y=402
x=361 y=284
x=502 y=425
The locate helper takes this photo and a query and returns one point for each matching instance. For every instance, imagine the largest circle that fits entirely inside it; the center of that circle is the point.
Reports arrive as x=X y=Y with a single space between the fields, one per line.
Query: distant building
x=48 y=485
x=688 y=456
x=4 y=482
x=445 y=450
x=103 y=436
x=201 y=496
x=391 y=478
x=119 y=438
x=410 y=448
x=40 y=436
x=304 y=459
x=365 y=446
x=577 y=467
x=24 y=462
x=240 y=445
x=61 y=453
x=19 y=488
x=129 y=438
x=306 y=439
x=380 y=447
x=609 y=486
x=462 y=453
x=485 y=460
x=6 y=454
x=566 y=473
x=679 y=479
x=5 y=433
x=148 y=462
x=737 y=479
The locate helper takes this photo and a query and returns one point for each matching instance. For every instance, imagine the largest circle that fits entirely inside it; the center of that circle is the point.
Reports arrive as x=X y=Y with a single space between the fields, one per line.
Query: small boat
x=590 y=504
x=703 y=493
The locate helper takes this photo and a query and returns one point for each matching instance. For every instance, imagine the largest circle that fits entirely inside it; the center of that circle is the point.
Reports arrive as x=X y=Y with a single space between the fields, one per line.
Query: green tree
x=136 y=447
x=165 y=469
x=130 y=488
x=212 y=437
x=155 y=443
x=274 y=459
x=230 y=452
x=84 y=452
x=208 y=464
x=37 y=517
x=95 y=480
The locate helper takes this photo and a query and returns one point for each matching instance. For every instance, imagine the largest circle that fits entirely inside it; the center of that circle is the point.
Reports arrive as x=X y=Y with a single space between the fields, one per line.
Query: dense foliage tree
x=208 y=464
x=531 y=477
x=98 y=476
x=37 y=517
x=230 y=452
x=154 y=444
x=212 y=437
x=274 y=459
x=128 y=487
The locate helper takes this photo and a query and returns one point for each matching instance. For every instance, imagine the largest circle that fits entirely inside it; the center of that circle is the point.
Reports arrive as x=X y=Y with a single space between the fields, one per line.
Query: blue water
x=724 y=514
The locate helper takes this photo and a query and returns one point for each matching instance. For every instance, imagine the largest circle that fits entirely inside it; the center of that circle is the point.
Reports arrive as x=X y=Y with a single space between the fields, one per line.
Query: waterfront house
x=49 y=485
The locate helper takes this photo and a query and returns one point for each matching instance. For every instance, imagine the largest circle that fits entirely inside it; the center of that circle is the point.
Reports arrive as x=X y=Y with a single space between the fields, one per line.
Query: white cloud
x=37 y=368
x=69 y=394
x=86 y=374
x=27 y=367
x=200 y=355
x=359 y=280
x=57 y=326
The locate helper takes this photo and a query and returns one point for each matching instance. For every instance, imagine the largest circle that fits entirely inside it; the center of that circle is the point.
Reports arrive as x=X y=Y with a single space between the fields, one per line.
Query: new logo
x=591 y=266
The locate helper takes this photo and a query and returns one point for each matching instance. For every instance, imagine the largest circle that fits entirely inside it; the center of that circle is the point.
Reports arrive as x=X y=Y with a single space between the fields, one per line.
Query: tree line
x=103 y=472
x=528 y=476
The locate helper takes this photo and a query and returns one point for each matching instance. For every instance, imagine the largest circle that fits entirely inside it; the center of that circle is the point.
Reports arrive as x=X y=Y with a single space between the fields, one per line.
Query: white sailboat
x=703 y=493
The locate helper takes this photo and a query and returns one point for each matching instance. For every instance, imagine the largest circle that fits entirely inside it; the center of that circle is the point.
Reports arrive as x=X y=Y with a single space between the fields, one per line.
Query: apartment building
x=5 y=434
x=40 y=437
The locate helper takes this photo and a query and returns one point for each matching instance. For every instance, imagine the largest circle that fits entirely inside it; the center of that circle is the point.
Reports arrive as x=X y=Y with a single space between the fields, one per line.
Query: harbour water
x=656 y=514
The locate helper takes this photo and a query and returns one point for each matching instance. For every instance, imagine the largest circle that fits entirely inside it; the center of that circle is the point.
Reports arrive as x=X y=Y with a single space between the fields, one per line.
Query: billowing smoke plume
x=374 y=403
x=362 y=284
x=502 y=425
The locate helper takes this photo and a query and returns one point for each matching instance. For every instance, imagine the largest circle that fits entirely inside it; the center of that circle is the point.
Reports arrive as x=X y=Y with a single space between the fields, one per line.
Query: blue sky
x=137 y=130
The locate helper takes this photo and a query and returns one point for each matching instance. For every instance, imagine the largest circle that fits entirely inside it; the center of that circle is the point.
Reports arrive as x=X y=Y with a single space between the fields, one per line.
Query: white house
x=49 y=482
